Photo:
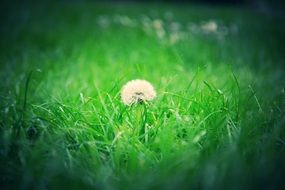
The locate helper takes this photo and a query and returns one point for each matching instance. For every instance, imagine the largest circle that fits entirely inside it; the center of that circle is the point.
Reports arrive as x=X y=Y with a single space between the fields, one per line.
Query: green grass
x=217 y=122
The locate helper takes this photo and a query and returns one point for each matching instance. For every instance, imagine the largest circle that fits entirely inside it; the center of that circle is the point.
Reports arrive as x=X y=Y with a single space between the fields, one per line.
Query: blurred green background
x=217 y=121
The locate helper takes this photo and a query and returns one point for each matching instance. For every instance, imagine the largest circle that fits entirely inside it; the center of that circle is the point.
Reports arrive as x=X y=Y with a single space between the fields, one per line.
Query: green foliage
x=217 y=123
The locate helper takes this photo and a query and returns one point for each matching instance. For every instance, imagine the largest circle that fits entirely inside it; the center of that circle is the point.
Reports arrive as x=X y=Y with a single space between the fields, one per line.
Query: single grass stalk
x=255 y=97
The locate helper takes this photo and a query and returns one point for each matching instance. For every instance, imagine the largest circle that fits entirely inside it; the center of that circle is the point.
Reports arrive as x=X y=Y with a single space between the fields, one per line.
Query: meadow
x=217 y=122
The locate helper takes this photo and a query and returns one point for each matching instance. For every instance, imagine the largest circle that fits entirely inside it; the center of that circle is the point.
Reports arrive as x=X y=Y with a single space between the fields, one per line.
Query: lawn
x=217 y=121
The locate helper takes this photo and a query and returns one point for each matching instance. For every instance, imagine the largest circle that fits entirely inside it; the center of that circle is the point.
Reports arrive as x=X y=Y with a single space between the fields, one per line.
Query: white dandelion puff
x=157 y=24
x=136 y=91
x=209 y=27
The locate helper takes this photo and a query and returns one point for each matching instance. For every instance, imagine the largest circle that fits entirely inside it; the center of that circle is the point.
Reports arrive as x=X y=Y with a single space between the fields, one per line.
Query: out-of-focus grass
x=217 y=123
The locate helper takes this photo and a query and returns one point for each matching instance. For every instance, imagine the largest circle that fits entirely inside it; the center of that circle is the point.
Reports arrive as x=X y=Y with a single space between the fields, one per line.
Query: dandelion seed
x=157 y=24
x=210 y=26
x=137 y=91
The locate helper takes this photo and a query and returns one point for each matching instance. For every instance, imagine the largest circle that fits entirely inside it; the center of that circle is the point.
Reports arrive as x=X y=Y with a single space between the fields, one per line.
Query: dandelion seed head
x=136 y=91
x=210 y=26
x=157 y=24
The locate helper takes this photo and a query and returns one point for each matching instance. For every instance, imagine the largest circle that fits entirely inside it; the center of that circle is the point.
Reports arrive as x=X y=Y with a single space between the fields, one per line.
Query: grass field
x=217 y=122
